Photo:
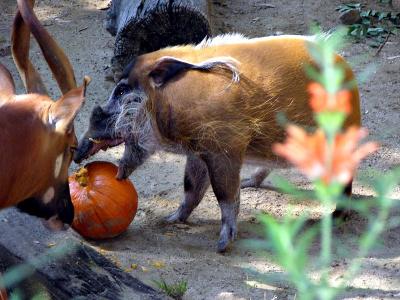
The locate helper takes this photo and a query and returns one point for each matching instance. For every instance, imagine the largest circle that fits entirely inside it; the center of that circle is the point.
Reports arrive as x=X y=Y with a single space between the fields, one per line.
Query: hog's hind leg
x=343 y=213
x=255 y=179
x=224 y=172
x=196 y=182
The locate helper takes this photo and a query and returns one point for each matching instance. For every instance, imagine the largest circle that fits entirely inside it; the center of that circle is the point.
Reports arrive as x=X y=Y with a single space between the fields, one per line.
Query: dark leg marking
x=343 y=212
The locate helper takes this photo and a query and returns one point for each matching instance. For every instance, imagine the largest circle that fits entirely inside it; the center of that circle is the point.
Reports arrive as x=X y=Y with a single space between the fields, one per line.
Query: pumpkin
x=104 y=206
x=3 y=293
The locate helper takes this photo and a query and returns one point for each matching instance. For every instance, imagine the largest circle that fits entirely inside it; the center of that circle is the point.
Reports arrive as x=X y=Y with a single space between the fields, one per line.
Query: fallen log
x=82 y=273
x=143 y=26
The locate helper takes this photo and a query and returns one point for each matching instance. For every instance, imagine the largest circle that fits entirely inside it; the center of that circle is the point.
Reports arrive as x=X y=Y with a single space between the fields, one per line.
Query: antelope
x=37 y=136
x=216 y=103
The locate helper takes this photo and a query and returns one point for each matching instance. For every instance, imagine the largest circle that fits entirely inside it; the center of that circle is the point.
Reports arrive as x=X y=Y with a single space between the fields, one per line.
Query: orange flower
x=321 y=100
x=312 y=155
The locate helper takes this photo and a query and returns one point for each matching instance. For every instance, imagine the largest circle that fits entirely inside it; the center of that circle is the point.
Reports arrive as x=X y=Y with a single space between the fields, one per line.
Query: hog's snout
x=83 y=150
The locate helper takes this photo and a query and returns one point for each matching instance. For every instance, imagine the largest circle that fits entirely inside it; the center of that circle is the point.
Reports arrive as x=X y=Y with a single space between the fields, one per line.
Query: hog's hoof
x=255 y=179
x=227 y=235
x=249 y=183
x=342 y=214
x=176 y=217
x=124 y=171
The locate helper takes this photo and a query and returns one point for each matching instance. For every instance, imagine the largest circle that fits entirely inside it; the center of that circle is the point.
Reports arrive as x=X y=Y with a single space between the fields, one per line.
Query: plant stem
x=326 y=243
x=368 y=240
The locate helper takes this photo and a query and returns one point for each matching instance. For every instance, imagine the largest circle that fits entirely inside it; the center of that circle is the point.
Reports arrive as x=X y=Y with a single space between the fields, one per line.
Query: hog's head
x=119 y=120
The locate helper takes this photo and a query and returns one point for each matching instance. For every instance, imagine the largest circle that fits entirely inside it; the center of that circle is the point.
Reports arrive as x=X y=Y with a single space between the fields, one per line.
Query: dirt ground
x=187 y=251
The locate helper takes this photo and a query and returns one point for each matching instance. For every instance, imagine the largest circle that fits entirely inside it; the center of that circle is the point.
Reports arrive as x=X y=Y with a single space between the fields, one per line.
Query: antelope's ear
x=63 y=112
x=166 y=68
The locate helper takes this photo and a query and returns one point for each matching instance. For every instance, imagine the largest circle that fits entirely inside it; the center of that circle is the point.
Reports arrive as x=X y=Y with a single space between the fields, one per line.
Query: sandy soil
x=188 y=250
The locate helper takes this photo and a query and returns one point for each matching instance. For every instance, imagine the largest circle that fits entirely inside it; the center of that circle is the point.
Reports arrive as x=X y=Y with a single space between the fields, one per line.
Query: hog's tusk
x=94 y=141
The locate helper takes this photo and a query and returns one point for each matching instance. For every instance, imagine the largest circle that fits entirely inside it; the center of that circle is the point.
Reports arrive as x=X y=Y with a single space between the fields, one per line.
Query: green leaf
x=382 y=15
x=303 y=246
x=386 y=182
x=260 y=245
x=313 y=73
x=365 y=13
x=296 y=224
x=375 y=31
x=366 y=21
x=328 y=193
x=286 y=187
x=330 y=122
x=282 y=119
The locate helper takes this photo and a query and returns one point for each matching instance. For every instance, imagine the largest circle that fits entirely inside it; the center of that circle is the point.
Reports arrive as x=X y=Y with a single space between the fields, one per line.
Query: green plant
x=175 y=290
x=374 y=25
x=329 y=157
x=385 y=1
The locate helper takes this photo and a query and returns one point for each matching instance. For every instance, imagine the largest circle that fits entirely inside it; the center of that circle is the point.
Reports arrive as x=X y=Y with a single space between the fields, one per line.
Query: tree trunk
x=143 y=26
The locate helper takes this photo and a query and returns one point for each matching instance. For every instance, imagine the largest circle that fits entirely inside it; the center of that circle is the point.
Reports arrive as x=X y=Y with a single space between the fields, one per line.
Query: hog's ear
x=166 y=68
x=63 y=112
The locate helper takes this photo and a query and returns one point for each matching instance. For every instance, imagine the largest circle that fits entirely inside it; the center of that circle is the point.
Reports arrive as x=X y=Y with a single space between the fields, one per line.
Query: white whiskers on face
x=133 y=120
x=48 y=195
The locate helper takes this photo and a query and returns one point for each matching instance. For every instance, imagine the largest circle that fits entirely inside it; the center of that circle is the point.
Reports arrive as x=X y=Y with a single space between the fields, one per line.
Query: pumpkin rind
x=3 y=295
x=3 y=292
x=104 y=206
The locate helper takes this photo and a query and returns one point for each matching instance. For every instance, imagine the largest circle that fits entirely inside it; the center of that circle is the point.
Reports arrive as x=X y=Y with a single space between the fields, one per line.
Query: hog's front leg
x=133 y=157
x=195 y=184
x=224 y=173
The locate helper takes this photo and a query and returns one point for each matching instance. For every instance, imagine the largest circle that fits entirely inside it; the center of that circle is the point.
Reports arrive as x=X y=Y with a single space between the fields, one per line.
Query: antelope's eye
x=73 y=148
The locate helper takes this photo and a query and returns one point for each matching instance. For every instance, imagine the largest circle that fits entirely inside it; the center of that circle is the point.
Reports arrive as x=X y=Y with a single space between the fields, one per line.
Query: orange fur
x=28 y=149
x=36 y=134
x=204 y=111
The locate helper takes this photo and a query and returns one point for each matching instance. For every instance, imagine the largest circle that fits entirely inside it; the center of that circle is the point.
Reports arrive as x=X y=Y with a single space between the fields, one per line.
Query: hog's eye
x=122 y=89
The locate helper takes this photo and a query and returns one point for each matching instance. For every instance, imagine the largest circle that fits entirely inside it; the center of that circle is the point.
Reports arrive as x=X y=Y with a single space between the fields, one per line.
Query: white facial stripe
x=49 y=195
x=57 y=166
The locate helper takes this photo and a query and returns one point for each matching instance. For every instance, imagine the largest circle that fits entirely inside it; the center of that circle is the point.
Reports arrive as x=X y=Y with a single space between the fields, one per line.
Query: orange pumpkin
x=104 y=207
x=3 y=293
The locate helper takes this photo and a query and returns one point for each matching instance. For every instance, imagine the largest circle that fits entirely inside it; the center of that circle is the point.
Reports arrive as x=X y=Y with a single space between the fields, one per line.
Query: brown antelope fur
x=37 y=137
x=216 y=102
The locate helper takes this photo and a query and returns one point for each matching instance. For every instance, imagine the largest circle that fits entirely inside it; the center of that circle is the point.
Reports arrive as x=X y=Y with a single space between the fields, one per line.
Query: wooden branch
x=82 y=274
x=383 y=44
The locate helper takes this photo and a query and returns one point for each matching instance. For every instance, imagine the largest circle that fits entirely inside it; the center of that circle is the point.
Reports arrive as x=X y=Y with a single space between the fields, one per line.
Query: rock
x=5 y=51
x=109 y=75
x=396 y=5
x=350 y=17
x=181 y=226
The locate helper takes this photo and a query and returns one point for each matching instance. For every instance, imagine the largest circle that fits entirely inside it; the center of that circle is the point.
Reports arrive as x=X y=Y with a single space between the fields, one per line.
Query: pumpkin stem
x=82 y=176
